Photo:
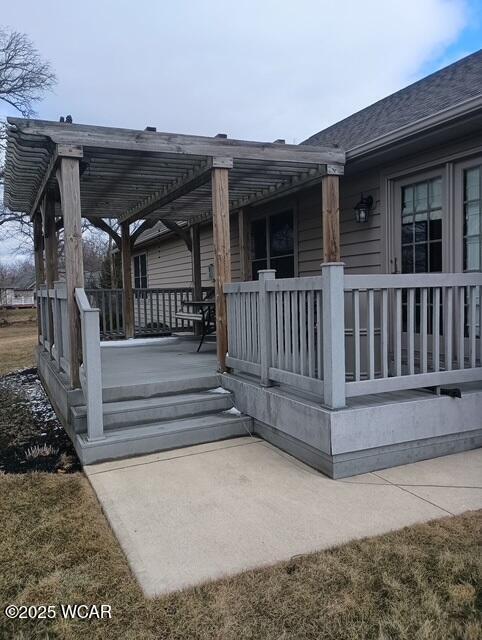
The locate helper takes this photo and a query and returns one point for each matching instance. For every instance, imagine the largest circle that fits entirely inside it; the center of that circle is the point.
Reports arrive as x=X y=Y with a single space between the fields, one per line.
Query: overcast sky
x=254 y=69
x=260 y=69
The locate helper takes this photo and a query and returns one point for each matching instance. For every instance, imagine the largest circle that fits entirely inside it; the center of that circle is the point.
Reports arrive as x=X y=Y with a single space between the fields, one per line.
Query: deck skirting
x=374 y=433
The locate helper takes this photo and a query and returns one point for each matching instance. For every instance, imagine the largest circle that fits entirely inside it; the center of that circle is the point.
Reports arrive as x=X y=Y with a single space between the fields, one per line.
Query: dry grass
x=18 y=339
x=56 y=547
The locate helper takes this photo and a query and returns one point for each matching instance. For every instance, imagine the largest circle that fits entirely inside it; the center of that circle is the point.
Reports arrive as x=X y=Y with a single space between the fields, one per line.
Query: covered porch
x=349 y=354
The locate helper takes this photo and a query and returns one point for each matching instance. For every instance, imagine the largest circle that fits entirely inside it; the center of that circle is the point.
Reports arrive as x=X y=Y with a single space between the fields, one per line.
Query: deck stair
x=137 y=425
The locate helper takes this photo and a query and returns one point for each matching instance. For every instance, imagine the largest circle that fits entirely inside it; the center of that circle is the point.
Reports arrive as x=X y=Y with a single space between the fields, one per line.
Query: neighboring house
x=15 y=298
x=416 y=153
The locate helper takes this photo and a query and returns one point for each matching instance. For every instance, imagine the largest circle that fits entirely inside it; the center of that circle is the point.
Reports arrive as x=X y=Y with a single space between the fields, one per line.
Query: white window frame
x=134 y=258
x=265 y=214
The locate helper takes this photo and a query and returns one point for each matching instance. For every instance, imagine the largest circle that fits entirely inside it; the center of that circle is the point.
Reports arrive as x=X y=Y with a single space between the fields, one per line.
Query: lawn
x=56 y=547
x=18 y=339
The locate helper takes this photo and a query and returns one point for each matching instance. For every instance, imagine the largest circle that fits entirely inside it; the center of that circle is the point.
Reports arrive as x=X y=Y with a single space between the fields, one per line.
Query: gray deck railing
x=91 y=369
x=338 y=335
x=154 y=310
x=53 y=327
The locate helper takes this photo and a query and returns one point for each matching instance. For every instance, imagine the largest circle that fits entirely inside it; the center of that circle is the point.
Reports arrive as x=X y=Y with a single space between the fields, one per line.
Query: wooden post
x=68 y=178
x=243 y=229
x=333 y=335
x=128 y=300
x=51 y=258
x=196 y=269
x=38 y=244
x=330 y=196
x=222 y=255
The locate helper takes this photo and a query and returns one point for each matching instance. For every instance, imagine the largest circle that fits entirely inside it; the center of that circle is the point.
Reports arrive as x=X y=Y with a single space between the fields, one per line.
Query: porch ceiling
x=130 y=174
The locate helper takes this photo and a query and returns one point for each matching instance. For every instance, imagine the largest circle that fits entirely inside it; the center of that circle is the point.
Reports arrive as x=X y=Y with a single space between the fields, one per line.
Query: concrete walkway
x=191 y=515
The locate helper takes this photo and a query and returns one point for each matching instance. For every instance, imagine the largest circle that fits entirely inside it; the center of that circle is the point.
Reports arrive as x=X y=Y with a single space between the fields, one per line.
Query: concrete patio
x=191 y=515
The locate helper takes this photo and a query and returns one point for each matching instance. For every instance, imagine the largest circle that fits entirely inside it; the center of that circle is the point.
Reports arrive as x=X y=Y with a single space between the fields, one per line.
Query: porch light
x=362 y=209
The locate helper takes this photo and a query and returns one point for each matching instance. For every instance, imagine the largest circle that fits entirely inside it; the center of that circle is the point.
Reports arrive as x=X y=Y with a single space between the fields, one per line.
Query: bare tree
x=24 y=75
x=24 y=78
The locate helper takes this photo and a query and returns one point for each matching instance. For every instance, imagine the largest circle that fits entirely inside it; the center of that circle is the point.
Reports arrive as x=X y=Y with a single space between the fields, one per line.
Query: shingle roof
x=441 y=90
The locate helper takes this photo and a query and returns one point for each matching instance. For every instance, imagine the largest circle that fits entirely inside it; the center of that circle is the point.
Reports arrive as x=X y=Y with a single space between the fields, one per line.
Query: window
x=272 y=245
x=140 y=271
x=472 y=260
x=422 y=227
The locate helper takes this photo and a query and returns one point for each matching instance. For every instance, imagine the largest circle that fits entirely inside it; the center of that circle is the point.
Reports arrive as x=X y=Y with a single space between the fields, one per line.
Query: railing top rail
x=307 y=283
x=100 y=290
x=241 y=287
x=83 y=301
x=411 y=281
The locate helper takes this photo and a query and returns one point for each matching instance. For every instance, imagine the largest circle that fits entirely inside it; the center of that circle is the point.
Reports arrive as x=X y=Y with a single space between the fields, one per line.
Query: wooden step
x=173 y=434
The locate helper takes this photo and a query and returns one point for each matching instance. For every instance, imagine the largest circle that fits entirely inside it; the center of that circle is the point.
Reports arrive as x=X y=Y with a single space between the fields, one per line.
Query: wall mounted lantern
x=362 y=209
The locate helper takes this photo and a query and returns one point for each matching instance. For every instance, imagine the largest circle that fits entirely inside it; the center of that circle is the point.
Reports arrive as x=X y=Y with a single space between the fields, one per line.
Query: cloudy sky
x=254 y=69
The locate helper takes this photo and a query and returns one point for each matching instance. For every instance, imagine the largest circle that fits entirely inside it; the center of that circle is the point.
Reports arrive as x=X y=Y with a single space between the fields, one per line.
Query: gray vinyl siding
x=365 y=248
x=169 y=261
x=360 y=243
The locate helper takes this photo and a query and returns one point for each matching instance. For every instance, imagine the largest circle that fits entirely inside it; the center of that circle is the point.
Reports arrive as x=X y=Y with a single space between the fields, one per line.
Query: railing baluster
x=398 y=332
x=279 y=310
x=384 y=332
x=319 y=335
x=480 y=324
x=303 y=333
x=423 y=327
x=356 y=333
x=295 y=332
x=370 y=334
x=287 y=330
x=310 y=328
x=249 y=326
x=472 y=325
x=436 y=330
x=274 y=328
x=158 y=320
x=460 y=326
x=411 y=331
x=448 y=327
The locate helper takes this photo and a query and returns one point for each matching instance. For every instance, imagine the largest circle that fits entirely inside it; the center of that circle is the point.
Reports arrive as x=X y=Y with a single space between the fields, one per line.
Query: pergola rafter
x=134 y=175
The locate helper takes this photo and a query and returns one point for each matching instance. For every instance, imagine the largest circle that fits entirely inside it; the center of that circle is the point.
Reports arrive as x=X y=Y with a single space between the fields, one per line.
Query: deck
x=160 y=361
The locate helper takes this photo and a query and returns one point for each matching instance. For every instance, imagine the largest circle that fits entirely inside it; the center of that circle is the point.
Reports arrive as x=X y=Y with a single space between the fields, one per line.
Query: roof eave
x=445 y=116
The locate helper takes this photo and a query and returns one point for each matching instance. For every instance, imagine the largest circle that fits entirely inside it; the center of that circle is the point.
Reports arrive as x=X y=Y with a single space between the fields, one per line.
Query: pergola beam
x=179 y=144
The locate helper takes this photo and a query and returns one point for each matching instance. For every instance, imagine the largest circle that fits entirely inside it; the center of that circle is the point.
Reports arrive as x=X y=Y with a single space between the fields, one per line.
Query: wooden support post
x=128 y=300
x=330 y=196
x=51 y=259
x=38 y=243
x=196 y=270
x=222 y=257
x=68 y=177
x=243 y=229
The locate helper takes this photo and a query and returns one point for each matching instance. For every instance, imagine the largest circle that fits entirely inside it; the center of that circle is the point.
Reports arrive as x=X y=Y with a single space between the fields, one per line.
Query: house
x=15 y=298
x=346 y=270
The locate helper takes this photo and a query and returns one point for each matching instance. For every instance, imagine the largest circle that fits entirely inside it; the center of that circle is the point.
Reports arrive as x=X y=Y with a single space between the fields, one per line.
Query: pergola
x=61 y=172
